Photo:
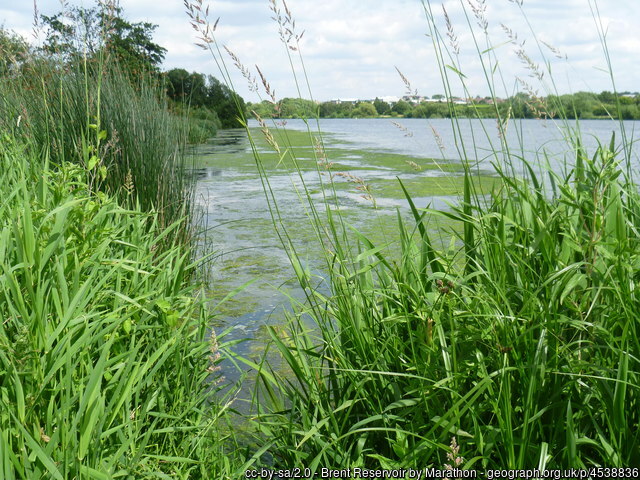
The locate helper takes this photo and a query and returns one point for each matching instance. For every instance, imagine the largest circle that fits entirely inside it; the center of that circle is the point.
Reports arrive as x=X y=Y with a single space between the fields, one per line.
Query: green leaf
x=40 y=453
x=577 y=279
x=571 y=437
x=93 y=161
x=455 y=70
x=163 y=305
x=620 y=393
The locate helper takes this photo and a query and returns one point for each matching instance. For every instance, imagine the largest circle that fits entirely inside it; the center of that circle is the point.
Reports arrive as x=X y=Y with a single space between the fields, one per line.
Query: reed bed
x=92 y=114
x=108 y=361
x=521 y=343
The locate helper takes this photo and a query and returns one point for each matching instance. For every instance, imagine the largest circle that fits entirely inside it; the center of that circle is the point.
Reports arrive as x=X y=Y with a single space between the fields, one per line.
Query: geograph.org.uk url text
x=433 y=473
x=565 y=473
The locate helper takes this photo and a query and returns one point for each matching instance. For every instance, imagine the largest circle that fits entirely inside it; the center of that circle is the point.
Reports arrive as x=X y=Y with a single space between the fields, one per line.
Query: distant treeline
x=207 y=101
x=583 y=105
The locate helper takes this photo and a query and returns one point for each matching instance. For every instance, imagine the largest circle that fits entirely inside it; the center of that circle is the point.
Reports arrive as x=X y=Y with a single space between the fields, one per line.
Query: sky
x=353 y=49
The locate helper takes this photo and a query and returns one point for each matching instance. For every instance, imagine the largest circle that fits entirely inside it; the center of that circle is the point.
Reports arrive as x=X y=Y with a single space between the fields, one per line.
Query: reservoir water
x=235 y=212
x=420 y=136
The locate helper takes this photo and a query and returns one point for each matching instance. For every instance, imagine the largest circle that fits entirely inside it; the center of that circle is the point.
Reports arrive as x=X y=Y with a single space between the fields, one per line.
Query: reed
x=108 y=362
x=92 y=114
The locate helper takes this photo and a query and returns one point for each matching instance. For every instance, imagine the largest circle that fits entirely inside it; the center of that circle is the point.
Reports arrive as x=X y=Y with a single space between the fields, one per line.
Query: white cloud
x=350 y=47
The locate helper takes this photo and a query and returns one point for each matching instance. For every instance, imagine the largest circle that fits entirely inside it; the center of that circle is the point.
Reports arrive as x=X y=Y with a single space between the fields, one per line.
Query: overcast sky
x=350 y=48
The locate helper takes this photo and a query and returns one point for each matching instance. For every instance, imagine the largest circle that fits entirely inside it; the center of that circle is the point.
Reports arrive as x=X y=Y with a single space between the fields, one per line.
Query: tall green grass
x=108 y=361
x=93 y=115
x=525 y=351
x=516 y=347
x=107 y=364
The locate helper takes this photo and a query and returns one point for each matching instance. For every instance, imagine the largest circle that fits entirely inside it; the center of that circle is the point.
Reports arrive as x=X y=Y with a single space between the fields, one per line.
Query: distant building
x=339 y=101
x=414 y=99
x=417 y=99
x=390 y=99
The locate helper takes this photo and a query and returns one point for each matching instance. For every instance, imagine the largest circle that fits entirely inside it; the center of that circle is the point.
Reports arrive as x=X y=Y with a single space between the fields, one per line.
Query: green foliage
x=205 y=93
x=496 y=341
x=185 y=87
x=79 y=31
x=105 y=360
x=581 y=105
x=382 y=107
x=228 y=105
x=297 y=108
x=108 y=365
x=14 y=51
x=365 y=109
x=78 y=115
x=336 y=110
x=430 y=110
x=401 y=107
x=203 y=124
x=264 y=109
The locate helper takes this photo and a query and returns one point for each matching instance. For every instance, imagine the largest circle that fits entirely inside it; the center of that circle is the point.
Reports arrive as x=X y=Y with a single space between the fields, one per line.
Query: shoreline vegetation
x=75 y=38
x=513 y=345
x=580 y=105
x=108 y=364
x=106 y=360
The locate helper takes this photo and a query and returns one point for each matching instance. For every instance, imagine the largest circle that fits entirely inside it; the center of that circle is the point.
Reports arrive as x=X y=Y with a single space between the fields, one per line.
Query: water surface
x=231 y=200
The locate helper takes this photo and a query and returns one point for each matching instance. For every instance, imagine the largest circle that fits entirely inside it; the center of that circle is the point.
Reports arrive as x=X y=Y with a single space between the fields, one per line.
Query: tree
x=264 y=109
x=344 y=110
x=133 y=44
x=430 y=110
x=298 y=108
x=365 y=109
x=80 y=32
x=518 y=106
x=203 y=93
x=607 y=97
x=186 y=87
x=401 y=107
x=382 y=107
x=227 y=104
x=329 y=109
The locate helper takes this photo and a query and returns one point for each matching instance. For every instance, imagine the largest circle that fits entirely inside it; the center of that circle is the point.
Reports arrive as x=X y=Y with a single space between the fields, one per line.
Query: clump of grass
x=105 y=357
x=520 y=340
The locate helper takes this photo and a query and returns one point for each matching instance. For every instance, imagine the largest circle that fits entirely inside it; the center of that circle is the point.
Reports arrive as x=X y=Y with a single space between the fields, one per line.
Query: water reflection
x=233 y=140
x=206 y=173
